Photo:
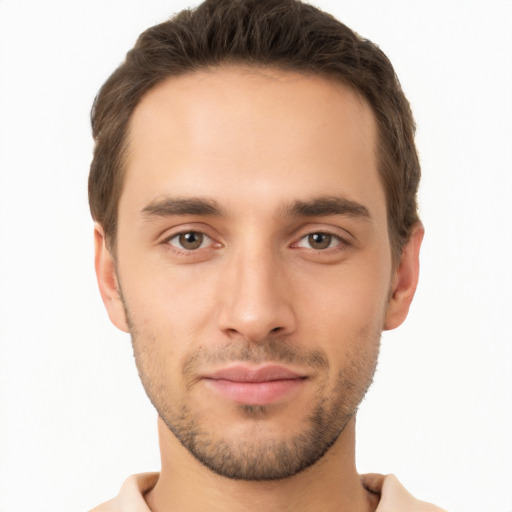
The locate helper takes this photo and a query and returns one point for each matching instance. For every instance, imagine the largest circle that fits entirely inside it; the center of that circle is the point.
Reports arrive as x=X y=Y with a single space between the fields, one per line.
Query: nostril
x=275 y=329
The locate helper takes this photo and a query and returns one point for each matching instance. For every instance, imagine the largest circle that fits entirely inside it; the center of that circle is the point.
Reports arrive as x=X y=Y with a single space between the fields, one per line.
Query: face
x=253 y=264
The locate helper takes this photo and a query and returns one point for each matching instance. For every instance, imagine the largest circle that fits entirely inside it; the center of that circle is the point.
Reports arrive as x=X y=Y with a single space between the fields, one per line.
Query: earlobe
x=107 y=280
x=405 y=280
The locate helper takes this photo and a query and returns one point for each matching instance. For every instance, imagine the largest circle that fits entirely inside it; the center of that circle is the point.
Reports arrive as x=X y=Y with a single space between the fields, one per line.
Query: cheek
x=352 y=293
x=345 y=304
x=169 y=310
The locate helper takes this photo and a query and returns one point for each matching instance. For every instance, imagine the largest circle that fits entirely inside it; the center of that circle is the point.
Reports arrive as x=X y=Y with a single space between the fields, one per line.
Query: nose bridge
x=255 y=302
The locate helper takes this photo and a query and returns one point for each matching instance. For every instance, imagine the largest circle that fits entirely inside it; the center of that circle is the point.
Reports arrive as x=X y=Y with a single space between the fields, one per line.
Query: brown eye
x=191 y=241
x=319 y=240
x=188 y=241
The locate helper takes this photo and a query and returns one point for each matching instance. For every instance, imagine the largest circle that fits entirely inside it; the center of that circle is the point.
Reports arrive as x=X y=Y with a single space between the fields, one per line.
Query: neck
x=331 y=484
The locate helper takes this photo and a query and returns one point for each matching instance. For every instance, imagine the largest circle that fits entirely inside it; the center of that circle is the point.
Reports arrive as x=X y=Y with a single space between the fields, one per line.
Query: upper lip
x=265 y=373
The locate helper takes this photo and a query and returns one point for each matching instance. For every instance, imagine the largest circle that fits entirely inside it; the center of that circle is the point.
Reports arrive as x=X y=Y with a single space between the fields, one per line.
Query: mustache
x=268 y=350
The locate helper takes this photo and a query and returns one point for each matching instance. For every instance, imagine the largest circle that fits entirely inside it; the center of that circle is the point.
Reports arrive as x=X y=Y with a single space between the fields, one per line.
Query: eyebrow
x=317 y=207
x=169 y=206
x=329 y=205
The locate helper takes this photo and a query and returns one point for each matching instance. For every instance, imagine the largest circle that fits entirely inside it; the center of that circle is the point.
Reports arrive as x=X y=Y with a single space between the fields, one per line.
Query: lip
x=265 y=373
x=255 y=386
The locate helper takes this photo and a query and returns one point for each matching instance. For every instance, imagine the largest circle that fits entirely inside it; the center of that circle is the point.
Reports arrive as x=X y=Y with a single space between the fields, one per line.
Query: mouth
x=255 y=386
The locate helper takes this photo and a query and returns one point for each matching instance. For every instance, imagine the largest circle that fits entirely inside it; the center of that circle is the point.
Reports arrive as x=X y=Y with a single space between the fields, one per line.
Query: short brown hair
x=282 y=34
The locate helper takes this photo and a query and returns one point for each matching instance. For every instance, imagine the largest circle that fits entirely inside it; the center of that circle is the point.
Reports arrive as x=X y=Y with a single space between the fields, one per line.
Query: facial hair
x=258 y=455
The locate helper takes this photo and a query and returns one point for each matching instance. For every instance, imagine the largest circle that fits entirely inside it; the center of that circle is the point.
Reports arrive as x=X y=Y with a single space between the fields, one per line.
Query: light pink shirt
x=393 y=496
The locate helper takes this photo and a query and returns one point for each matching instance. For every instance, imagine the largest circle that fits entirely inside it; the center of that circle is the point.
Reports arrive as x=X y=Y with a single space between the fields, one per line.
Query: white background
x=74 y=419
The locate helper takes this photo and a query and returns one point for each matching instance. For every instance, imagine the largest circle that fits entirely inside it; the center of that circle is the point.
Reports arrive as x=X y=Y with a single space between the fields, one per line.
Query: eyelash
x=183 y=250
x=340 y=243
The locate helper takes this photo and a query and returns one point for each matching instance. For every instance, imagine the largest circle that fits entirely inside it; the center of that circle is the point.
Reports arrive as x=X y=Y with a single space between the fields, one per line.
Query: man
x=254 y=190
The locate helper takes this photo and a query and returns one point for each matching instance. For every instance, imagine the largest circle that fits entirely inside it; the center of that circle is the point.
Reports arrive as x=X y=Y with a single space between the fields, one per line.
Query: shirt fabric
x=393 y=496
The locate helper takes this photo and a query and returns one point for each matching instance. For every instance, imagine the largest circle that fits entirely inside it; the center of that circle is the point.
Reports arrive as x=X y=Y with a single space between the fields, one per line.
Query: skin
x=271 y=280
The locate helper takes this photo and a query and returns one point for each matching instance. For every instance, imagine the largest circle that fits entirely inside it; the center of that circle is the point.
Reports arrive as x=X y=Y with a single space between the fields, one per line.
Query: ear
x=107 y=280
x=405 y=280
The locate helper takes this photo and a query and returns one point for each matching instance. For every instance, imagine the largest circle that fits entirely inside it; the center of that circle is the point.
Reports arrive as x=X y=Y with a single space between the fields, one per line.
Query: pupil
x=319 y=240
x=191 y=240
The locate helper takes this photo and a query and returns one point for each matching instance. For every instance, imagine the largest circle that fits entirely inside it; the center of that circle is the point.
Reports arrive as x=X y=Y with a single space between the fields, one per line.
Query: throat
x=329 y=485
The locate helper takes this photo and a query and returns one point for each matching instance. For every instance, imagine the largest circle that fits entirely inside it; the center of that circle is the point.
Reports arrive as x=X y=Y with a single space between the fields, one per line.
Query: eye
x=190 y=240
x=319 y=241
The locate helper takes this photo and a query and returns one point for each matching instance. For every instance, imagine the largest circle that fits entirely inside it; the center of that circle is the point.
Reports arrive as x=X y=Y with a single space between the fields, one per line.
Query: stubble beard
x=258 y=456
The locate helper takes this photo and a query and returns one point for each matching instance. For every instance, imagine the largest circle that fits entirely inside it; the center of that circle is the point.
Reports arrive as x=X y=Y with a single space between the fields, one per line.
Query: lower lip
x=256 y=393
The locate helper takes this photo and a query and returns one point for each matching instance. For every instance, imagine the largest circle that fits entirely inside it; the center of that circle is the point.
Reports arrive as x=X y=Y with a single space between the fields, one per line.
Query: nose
x=256 y=300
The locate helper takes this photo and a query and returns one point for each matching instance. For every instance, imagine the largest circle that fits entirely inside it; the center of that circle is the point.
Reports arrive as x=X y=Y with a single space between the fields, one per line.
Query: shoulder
x=393 y=495
x=131 y=495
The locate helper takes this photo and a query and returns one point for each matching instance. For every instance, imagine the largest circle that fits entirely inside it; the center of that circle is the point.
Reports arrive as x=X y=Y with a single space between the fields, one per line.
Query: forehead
x=214 y=132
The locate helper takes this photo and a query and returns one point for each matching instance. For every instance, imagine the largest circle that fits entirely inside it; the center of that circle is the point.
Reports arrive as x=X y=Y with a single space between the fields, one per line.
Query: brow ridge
x=327 y=205
x=316 y=207
x=169 y=206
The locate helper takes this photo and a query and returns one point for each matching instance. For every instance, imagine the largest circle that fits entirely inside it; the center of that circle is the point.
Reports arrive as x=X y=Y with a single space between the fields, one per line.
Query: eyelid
x=344 y=237
x=204 y=242
x=182 y=229
x=335 y=238
x=335 y=231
